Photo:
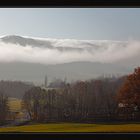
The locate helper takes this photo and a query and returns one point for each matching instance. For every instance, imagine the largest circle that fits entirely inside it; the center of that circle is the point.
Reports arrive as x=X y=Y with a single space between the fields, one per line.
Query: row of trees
x=4 y=109
x=129 y=96
x=82 y=100
x=104 y=98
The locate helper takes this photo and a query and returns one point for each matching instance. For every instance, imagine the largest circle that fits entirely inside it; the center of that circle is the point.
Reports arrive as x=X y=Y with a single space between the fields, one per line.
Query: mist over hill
x=72 y=71
x=30 y=58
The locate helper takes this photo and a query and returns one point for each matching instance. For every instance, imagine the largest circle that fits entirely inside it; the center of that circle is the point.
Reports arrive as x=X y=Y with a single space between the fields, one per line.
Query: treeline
x=92 y=100
x=79 y=101
x=4 y=109
x=14 y=89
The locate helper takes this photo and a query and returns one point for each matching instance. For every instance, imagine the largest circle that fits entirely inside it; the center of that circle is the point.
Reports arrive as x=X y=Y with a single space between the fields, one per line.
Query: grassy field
x=74 y=127
x=14 y=104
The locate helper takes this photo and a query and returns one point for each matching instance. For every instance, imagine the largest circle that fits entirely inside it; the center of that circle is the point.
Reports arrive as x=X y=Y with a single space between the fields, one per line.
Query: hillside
x=72 y=71
x=30 y=58
x=14 y=89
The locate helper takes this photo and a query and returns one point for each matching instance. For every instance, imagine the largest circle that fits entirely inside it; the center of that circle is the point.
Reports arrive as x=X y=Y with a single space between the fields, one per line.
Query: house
x=128 y=112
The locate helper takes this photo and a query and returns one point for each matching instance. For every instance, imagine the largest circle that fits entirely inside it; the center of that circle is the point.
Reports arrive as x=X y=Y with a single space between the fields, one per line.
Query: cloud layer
x=57 y=51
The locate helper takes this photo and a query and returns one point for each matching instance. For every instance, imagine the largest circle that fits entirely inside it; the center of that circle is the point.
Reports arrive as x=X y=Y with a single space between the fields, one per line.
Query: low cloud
x=68 y=50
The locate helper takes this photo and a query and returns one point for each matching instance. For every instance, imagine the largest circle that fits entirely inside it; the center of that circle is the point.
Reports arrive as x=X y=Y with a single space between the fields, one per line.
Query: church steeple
x=46 y=81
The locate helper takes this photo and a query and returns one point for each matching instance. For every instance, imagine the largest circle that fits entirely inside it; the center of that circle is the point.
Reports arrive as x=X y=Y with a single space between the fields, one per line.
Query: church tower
x=46 y=80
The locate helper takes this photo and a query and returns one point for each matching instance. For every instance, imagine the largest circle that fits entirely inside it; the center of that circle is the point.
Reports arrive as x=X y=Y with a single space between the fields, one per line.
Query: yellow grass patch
x=74 y=127
x=14 y=104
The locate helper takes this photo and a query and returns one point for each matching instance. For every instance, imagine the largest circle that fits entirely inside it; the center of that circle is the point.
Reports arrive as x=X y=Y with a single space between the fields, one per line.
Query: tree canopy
x=129 y=92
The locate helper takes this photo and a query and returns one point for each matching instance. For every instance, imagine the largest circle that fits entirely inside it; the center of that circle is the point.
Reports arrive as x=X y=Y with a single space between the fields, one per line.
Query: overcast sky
x=76 y=23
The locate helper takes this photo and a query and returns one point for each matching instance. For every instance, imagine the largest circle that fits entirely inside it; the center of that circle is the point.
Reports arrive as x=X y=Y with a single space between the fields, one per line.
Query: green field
x=74 y=127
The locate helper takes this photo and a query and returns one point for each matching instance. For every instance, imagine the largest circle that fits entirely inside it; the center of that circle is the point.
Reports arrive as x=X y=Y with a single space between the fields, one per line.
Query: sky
x=72 y=23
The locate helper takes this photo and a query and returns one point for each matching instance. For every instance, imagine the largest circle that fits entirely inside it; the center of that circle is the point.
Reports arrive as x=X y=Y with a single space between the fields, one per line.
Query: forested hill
x=14 y=89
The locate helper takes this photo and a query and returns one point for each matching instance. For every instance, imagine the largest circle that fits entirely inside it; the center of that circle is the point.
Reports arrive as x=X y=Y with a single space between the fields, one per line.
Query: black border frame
x=70 y=136
x=70 y=4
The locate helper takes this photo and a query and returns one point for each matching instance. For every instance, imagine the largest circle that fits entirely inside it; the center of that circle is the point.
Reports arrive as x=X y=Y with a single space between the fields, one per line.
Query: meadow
x=14 y=104
x=74 y=127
